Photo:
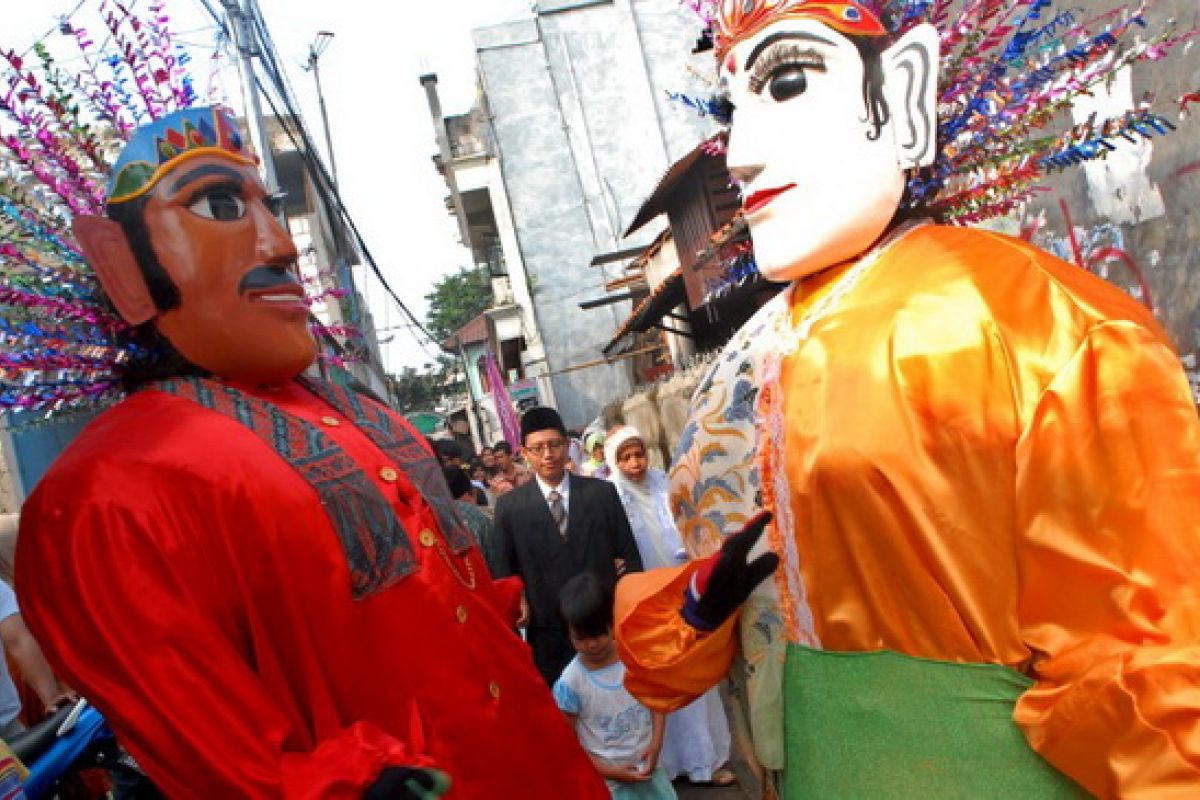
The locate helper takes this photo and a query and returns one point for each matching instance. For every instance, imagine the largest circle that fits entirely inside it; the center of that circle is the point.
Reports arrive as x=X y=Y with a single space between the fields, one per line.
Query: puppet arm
x=668 y=663
x=129 y=611
x=675 y=626
x=1108 y=498
x=507 y=596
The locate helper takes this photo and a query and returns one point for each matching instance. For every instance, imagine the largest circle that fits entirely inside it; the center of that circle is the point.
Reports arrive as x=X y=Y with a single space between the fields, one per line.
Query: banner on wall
x=524 y=394
x=509 y=423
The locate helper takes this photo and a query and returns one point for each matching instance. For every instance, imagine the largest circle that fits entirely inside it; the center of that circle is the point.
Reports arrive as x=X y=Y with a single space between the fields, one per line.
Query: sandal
x=723 y=777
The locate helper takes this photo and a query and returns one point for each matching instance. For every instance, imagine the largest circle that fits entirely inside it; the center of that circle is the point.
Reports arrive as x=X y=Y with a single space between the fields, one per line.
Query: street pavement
x=688 y=791
x=747 y=787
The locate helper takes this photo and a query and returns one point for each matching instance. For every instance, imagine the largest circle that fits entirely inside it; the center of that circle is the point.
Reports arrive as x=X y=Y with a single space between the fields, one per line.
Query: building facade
x=580 y=127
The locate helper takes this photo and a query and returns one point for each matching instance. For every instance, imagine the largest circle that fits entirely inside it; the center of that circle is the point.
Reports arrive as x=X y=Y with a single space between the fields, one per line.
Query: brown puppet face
x=214 y=269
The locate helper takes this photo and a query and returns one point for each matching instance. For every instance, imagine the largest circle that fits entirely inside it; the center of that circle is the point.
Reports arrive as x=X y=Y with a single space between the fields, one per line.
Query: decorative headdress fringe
x=62 y=346
x=1009 y=68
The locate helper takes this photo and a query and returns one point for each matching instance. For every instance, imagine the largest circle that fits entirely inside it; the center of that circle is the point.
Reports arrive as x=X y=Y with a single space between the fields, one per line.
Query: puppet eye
x=220 y=204
x=787 y=82
x=783 y=71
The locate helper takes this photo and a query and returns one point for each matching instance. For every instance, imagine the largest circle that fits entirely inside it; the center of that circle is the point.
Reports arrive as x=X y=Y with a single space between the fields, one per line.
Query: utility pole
x=243 y=39
x=315 y=50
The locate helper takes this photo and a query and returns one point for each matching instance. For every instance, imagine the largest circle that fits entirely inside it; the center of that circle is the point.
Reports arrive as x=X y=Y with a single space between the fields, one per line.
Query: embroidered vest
x=378 y=549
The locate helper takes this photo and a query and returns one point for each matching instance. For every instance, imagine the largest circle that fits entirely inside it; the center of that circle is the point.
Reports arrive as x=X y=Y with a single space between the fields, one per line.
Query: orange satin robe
x=992 y=456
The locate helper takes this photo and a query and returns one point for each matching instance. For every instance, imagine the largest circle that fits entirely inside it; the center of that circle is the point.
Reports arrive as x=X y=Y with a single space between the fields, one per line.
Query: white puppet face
x=819 y=185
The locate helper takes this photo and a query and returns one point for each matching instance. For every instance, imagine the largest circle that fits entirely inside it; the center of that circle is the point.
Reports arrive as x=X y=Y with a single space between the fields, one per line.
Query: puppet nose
x=274 y=243
x=744 y=165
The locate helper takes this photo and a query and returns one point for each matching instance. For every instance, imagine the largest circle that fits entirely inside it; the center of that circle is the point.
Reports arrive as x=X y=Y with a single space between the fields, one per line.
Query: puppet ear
x=109 y=254
x=910 y=68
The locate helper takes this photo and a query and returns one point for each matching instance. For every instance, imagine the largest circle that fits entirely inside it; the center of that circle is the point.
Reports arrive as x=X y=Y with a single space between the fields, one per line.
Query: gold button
x=494 y=690
x=332 y=422
x=427 y=538
x=389 y=474
x=461 y=614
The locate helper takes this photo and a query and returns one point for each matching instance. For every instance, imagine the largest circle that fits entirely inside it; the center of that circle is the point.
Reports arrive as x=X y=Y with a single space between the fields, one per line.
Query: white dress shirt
x=563 y=489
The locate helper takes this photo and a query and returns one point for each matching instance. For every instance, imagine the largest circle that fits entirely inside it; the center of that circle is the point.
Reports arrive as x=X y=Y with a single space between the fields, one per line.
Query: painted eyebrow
x=779 y=37
x=204 y=172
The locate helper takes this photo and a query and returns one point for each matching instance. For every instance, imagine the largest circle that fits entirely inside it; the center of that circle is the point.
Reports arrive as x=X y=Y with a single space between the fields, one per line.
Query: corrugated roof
x=474 y=331
x=646 y=314
x=655 y=204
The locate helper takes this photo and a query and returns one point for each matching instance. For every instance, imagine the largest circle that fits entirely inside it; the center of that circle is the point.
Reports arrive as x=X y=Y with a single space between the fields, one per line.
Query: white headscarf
x=612 y=445
x=647 y=504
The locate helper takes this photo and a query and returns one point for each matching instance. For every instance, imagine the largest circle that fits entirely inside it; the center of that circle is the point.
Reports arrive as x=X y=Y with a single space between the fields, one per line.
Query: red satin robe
x=186 y=578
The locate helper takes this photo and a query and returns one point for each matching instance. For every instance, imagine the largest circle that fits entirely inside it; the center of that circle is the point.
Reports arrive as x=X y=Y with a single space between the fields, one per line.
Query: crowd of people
x=570 y=527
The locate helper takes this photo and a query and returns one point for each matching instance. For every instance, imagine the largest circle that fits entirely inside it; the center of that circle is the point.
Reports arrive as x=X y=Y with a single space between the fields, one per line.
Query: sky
x=382 y=132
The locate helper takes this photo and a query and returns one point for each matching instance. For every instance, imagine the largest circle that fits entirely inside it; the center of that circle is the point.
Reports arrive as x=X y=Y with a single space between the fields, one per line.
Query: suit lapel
x=539 y=509
x=577 y=530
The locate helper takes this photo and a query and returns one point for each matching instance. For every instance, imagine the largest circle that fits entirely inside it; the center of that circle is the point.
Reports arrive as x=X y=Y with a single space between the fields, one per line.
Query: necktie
x=557 y=511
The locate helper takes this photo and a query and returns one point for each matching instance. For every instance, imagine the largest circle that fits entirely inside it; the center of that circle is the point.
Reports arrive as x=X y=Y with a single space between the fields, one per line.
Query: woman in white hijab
x=696 y=742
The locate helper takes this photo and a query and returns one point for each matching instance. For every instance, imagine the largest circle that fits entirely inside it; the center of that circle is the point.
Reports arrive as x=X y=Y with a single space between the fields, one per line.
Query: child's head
x=586 y=606
x=626 y=453
x=459 y=483
x=593 y=443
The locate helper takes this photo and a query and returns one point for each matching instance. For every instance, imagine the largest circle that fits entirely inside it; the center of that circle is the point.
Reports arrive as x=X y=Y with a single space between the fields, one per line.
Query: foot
x=723 y=777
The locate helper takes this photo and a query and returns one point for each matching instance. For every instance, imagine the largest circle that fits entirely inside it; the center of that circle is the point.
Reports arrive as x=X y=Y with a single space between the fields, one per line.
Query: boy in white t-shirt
x=622 y=736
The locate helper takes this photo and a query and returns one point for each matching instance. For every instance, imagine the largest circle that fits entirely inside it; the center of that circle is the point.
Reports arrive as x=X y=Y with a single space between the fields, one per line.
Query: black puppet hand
x=724 y=581
x=408 y=783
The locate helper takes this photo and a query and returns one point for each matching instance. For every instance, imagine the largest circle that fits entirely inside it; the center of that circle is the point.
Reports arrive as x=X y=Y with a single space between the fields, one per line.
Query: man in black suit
x=553 y=528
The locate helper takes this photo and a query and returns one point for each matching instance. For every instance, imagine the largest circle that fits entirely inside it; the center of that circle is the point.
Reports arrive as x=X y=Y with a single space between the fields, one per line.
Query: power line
x=58 y=27
x=328 y=187
x=325 y=185
x=293 y=126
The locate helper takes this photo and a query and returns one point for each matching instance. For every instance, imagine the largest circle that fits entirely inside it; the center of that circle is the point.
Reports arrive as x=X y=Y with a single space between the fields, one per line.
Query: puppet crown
x=737 y=20
x=159 y=147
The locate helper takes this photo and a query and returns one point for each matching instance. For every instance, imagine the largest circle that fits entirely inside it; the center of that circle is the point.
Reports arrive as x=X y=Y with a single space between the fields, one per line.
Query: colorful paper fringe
x=62 y=346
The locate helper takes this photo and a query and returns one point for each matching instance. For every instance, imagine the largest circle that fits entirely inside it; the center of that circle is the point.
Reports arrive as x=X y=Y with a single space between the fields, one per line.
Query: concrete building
x=477 y=197
x=1134 y=217
x=349 y=343
x=579 y=128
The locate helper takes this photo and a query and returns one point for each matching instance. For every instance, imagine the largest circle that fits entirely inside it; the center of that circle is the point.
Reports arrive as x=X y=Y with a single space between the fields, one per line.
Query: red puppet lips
x=760 y=199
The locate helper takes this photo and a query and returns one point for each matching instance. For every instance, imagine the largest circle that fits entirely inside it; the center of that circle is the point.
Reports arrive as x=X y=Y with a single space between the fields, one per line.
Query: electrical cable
x=303 y=142
x=325 y=184
x=328 y=194
x=63 y=19
x=285 y=120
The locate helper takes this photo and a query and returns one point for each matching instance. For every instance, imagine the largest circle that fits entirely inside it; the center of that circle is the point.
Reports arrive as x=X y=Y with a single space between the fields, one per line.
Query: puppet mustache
x=265 y=277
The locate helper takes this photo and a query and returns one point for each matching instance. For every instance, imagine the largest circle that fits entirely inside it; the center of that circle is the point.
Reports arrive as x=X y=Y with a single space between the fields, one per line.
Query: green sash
x=887 y=725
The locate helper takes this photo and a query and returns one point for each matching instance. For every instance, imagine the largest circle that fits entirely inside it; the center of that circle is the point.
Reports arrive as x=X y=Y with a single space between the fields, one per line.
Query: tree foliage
x=454 y=301
x=426 y=390
x=457 y=299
